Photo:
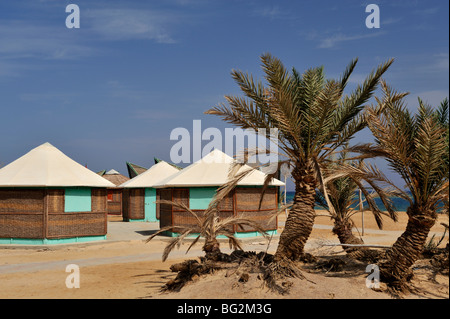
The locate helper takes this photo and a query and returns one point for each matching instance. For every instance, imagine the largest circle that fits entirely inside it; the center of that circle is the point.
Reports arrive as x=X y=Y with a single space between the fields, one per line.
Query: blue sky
x=113 y=90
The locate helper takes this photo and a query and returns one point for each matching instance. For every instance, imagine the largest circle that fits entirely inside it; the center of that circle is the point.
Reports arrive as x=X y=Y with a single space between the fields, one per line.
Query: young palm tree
x=416 y=147
x=208 y=226
x=313 y=118
x=345 y=179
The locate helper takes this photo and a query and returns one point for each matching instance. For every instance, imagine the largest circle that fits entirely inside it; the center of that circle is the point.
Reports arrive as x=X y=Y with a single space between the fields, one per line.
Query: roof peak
x=112 y=172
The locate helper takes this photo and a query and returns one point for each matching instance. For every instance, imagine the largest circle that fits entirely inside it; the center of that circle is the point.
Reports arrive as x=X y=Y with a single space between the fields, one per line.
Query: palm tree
x=313 y=117
x=345 y=179
x=416 y=147
x=208 y=226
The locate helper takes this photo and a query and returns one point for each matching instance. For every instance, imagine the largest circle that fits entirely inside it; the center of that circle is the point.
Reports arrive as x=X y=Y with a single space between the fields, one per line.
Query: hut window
x=201 y=197
x=110 y=195
x=77 y=200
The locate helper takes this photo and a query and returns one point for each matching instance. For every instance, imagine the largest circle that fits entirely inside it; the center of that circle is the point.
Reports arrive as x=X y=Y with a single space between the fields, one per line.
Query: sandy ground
x=132 y=269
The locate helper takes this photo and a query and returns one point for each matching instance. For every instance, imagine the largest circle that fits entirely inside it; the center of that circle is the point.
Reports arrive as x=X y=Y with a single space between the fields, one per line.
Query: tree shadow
x=154 y=281
x=146 y=233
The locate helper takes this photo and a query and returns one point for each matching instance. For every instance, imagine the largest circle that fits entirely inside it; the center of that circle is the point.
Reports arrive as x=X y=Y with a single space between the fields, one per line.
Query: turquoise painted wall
x=200 y=197
x=150 y=206
x=77 y=199
x=45 y=241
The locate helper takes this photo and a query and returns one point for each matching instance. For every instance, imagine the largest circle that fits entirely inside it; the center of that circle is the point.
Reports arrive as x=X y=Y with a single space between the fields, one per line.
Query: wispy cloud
x=432 y=97
x=132 y=24
x=272 y=12
x=334 y=40
x=441 y=61
x=21 y=40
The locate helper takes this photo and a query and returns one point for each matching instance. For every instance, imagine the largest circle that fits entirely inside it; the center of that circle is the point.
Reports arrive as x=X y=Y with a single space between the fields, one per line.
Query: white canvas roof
x=213 y=170
x=46 y=166
x=152 y=176
x=112 y=172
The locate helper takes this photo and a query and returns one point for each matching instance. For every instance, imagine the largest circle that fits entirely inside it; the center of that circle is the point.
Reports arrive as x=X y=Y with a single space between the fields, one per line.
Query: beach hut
x=139 y=195
x=114 y=194
x=48 y=198
x=197 y=184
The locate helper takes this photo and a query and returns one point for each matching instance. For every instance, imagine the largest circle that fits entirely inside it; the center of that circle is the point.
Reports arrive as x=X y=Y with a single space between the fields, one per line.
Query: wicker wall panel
x=98 y=200
x=261 y=217
x=180 y=195
x=184 y=219
x=76 y=225
x=115 y=195
x=165 y=210
x=227 y=203
x=158 y=206
x=125 y=204
x=55 y=200
x=247 y=199
x=114 y=208
x=21 y=226
x=30 y=201
x=137 y=204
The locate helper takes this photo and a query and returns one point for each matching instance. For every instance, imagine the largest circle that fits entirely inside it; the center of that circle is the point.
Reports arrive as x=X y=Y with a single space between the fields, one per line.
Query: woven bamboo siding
x=22 y=201
x=247 y=199
x=76 y=225
x=247 y=206
x=133 y=204
x=158 y=206
x=114 y=206
x=61 y=224
x=165 y=209
x=243 y=201
x=227 y=203
x=21 y=226
x=98 y=200
x=55 y=200
x=180 y=195
x=261 y=217
x=125 y=204
x=184 y=219
x=39 y=213
x=21 y=213
x=136 y=204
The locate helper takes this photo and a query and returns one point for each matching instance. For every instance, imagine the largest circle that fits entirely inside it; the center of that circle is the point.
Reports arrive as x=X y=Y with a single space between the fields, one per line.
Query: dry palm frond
x=208 y=225
x=344 y=178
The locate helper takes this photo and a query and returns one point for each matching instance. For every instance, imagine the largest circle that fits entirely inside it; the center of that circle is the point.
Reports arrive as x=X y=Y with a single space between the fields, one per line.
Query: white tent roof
x=213 y=170
x=112 y=172
x=45 y=166
x=152 y=176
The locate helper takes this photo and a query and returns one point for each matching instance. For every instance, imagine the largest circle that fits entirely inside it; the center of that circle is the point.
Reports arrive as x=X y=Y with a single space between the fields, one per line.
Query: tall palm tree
x=416 y=147
x=313 y=117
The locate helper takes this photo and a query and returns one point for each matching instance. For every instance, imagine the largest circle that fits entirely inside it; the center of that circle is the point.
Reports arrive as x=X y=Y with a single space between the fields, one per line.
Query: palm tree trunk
x=343 y=229
x=395 y=270
x=211 y=246
x=300 y=220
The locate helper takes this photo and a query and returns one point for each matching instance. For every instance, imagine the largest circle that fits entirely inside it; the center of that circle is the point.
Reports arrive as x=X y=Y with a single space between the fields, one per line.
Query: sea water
x=400 y=204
